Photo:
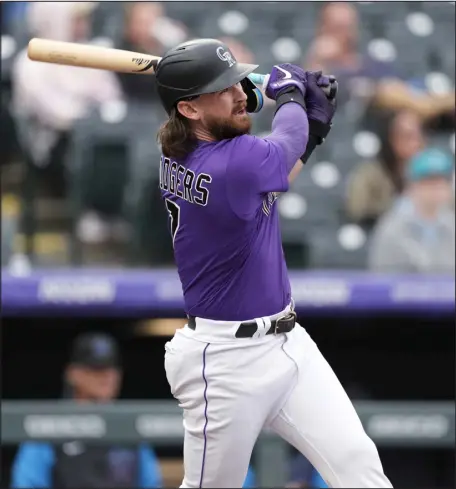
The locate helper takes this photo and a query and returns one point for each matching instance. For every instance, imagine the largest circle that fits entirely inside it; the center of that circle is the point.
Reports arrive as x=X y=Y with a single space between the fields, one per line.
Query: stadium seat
x=143 y=208
x=341 y=248
x=99 y=155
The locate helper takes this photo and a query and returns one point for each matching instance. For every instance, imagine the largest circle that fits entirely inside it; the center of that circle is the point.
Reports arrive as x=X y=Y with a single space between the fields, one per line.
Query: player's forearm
x=290 y=129
x=298 y=166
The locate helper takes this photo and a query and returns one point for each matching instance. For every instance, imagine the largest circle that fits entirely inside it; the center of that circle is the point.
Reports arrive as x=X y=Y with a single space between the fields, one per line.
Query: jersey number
x=174 y=216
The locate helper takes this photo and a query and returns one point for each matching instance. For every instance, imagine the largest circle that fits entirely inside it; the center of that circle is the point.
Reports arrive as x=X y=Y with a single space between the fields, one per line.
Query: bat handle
x=257 y=78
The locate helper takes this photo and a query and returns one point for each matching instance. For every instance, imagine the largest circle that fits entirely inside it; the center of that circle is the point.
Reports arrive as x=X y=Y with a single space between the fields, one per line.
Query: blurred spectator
x=140 y=18
x=11 y=14
x=418 y=233
x=324 y=53
x=48 y=98
x=374 y=185
x=336 y=50
x=249 y=482
x=138 y=37
x=303 y=475
x=93 y=375
x=145 y=31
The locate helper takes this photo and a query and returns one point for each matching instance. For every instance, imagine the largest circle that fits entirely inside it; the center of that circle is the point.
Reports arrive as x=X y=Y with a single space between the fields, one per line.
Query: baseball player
x=242 y=363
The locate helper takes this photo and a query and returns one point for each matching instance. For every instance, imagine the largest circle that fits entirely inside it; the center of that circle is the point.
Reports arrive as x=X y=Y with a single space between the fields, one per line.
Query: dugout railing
x=390 y=424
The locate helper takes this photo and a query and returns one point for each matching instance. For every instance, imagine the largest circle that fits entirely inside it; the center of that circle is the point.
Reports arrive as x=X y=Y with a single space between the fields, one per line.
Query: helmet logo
x=226 y=56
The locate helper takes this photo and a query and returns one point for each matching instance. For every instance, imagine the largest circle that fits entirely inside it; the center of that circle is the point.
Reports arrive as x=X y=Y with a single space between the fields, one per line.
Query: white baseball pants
x=230 y=389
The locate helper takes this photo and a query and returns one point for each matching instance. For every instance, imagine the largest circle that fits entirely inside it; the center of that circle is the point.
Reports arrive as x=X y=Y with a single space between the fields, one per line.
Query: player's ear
x=188 y=109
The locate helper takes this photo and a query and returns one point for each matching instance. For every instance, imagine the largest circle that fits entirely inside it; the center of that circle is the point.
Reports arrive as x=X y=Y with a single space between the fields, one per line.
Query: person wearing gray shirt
x=417 y=234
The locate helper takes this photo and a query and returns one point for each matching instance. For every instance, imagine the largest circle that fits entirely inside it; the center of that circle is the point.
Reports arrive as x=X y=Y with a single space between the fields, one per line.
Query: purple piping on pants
x=205 y=415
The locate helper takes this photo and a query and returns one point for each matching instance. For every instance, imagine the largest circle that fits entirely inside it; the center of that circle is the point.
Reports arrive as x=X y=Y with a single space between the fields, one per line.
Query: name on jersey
x=269 y=201
x=183 y=182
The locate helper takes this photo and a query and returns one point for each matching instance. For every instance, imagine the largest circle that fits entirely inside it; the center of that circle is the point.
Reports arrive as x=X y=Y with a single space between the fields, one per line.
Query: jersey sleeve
x=256 y=167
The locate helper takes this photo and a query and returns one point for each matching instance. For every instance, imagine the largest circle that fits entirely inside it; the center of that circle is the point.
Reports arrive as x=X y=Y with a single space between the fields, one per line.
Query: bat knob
x=332 y=88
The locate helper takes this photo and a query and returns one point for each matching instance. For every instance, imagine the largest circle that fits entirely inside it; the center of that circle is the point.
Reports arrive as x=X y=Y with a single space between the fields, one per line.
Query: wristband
x=291 y=94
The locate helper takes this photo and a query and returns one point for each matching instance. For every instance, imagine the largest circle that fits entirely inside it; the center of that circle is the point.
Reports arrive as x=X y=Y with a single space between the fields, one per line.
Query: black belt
x=283 y=324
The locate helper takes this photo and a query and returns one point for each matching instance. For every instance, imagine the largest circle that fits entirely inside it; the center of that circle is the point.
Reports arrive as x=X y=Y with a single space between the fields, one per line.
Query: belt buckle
x=287 y=316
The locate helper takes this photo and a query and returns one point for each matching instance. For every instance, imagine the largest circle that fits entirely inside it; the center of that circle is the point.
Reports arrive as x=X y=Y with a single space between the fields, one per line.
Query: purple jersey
x=224 y=220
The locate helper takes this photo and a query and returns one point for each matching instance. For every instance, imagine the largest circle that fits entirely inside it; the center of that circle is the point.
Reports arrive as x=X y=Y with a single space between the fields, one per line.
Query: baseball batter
x=242 y=363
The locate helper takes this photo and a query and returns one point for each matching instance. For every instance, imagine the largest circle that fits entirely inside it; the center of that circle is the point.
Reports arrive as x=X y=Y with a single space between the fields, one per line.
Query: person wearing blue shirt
x=417 y=234
x=249 y=482
x=12 y=14
x=303 y=475
x=93 y=375
x=35 y=463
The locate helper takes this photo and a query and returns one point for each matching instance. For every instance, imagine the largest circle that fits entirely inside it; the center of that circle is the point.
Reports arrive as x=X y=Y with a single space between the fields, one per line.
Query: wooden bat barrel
x=88 y=56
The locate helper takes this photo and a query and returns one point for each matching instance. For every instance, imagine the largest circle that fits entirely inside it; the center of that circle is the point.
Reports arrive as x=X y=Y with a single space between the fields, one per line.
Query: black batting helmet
x=203 y=66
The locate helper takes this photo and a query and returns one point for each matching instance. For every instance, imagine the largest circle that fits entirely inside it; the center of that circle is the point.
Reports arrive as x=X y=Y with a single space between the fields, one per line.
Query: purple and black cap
x=95 y=350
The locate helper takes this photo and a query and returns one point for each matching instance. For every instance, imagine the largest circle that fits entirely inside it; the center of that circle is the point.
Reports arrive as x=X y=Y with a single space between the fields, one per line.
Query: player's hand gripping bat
x=102 y=58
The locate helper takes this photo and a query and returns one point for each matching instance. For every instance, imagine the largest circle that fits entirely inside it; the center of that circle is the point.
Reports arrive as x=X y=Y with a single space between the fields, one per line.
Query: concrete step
x=44 y=243
x=51 y=212
x=52 y=240
x=52 y=209
x=11 y=205
x=12 y=177
x=104 y=254
x=53 y=248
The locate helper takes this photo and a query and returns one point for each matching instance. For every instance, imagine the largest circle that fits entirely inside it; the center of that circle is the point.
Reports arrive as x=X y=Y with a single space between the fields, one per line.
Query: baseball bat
x=111 y=59
x=257 y=78
x=88 y=56
x=98 y=57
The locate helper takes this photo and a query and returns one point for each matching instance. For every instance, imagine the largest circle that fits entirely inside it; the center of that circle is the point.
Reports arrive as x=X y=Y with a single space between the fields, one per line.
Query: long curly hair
x=176 y=136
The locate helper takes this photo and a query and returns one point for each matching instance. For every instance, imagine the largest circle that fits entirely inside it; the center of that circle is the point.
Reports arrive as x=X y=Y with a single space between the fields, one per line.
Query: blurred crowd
x=381 y=189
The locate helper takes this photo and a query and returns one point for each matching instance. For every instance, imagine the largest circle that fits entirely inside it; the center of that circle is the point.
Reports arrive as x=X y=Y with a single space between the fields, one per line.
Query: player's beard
x=229 y=128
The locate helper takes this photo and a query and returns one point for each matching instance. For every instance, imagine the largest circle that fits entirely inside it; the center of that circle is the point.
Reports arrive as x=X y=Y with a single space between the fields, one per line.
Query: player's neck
x=203 y=134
